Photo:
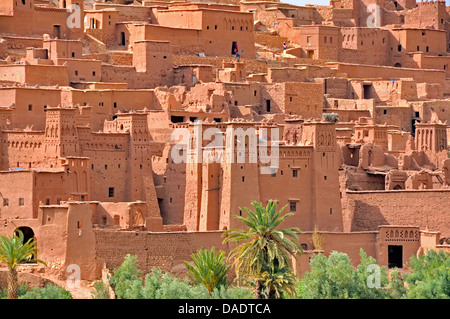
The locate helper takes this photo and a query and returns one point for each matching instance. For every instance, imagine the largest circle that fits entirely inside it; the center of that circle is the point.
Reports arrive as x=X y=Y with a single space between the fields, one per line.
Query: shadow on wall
x=366 y=217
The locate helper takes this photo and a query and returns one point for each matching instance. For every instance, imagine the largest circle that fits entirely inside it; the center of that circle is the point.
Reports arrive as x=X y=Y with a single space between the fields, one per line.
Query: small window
x=30 y=107
x=73 y=54
x=47 y=201
x=21 y=202
x=384 y=111
x=5 y=202
x=399 y=48
x=111 y=192
x=215 y=27
x=93 y=73
x=294 y=173
x=243 y=178
x=115 y=105
x=76 y=72
x=292 y=206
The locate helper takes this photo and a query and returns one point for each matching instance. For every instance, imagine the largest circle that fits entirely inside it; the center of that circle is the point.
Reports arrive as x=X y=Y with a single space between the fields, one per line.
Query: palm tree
x=209 y=269
x=14 y=251
x=277 y=282
x=264 y=247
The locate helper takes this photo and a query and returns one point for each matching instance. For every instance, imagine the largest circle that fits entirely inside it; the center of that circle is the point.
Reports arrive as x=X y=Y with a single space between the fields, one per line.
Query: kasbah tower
x=355 y=101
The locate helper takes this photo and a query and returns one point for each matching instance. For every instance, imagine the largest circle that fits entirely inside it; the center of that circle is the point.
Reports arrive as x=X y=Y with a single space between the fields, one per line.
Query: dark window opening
x=366 y=91
x=294 y=173
x=395 y=256
x=177 y=119
x=234 y=47
x=111 y=192
x=267 y=105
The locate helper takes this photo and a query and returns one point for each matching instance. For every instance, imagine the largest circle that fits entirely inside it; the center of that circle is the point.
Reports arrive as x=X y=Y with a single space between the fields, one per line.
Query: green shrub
x=159 y=285
x=100 y=291
x=50 y=291
x=336 y=278
x=232 y=292
x=125 y=279
x=429 y=276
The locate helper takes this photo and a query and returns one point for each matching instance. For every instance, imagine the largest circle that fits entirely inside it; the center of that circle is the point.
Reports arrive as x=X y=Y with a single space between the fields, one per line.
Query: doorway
x=366 y=89
x=310 y=54
x=57 y=31
x=268 y=105
x=234 y=48
x=395 y=256
x=122 y=38
x=28 y=234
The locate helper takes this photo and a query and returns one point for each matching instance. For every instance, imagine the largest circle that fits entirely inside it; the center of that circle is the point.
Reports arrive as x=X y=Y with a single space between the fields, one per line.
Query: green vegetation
x=209 y=269
x=128 y=283
x=262 y=253
x=13 y=251
x=50 y=291
x=430 y=276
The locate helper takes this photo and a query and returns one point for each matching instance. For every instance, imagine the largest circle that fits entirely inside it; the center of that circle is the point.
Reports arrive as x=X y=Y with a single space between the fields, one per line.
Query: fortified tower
x=61 y=137
x=326 y=202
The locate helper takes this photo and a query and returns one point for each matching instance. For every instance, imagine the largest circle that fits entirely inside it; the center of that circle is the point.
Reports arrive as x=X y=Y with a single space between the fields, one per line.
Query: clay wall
x=298 y=98
x=398 y=116
x=22 y=149
x=424 y=208
x=17 y=203
x=389 y=73
x=108 y=166
x=127 y=12
x=168 y=251
x=40 y=20
x=29 y=105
